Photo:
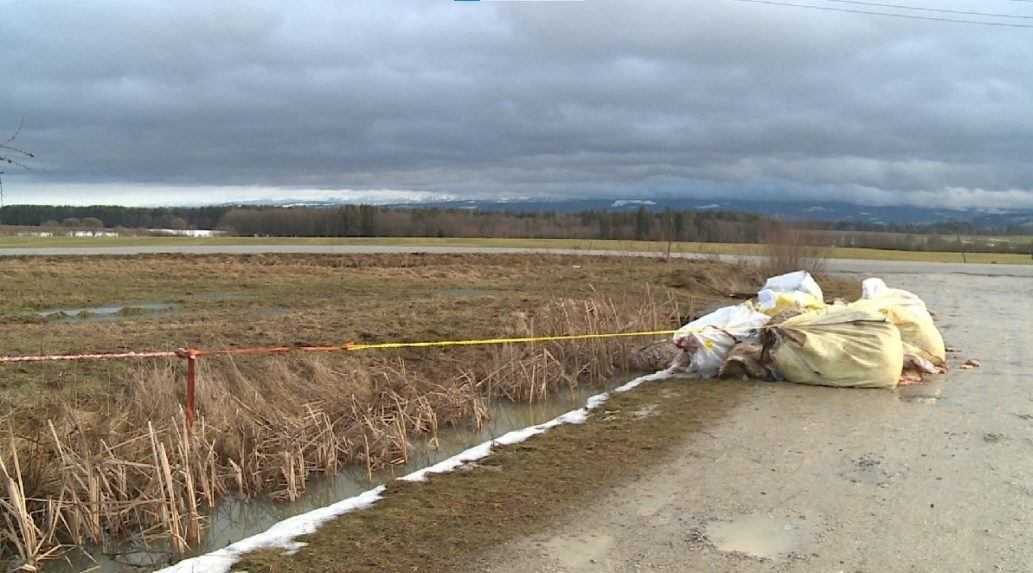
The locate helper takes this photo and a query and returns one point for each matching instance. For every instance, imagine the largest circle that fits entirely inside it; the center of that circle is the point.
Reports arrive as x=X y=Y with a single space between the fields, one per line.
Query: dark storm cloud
x=184 y=101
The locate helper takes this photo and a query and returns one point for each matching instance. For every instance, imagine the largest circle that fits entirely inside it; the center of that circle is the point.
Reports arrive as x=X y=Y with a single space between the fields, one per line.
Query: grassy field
x=267 y=300
x=98 y=430
x=575 y=244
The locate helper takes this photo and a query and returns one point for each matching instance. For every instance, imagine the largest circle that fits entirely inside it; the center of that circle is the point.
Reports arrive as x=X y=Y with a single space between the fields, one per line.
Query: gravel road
x=933 y=477
x=837 y=265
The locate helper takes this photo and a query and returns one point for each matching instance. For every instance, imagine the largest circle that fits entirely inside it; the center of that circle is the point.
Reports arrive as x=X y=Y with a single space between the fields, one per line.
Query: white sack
x=708 y=339
x=792 y=291
x=908 y=312
x=847 y=347
x=875 y=288
x=799 y=281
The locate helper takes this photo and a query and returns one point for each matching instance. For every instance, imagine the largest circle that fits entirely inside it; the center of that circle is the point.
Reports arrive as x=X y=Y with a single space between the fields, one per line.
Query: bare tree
x=789 y=248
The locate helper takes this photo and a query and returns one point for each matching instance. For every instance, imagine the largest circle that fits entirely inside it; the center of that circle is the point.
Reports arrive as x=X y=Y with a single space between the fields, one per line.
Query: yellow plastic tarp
x=838 y=346
x=918 y=332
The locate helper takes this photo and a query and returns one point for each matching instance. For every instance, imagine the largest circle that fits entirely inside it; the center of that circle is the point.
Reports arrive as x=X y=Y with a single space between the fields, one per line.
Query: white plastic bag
x=799 y=281
x=708 y=339
x=875 y=288
x=792 y=291
x=872 y=287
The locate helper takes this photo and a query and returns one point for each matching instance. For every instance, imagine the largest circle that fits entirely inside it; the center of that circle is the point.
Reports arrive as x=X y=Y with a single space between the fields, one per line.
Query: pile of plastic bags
x=789 y=333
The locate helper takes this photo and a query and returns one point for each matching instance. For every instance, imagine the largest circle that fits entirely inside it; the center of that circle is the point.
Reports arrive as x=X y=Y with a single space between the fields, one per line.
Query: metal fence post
x=190 y=355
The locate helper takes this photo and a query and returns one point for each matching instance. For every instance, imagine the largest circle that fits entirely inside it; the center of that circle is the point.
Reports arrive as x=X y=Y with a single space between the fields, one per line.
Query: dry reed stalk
x=238 y=475
x=266 y=425
x=169 y=507
x=189 y=495
x=369 y=460
x=32 y=543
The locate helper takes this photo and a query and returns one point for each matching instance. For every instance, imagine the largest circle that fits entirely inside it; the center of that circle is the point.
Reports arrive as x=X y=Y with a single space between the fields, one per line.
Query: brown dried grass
x=267 y=425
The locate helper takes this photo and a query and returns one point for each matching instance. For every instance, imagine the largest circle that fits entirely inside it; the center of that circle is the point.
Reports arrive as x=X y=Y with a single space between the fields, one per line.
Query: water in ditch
x=108 y=312
x=234 y=519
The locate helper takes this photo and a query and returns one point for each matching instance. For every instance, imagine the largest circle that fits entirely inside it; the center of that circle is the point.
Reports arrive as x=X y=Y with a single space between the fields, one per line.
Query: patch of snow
x=710 y=206
x=186 y=232
x=81 y=234
x=626 y=202
x=283 y=534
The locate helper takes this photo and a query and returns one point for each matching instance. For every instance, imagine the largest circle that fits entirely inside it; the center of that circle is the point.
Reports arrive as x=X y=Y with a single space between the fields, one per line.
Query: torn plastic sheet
x=708 y=339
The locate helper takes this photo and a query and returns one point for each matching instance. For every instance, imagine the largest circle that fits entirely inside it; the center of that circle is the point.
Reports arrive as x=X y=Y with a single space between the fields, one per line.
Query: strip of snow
x=628 y=202
x=283 y=534
x=187 y=232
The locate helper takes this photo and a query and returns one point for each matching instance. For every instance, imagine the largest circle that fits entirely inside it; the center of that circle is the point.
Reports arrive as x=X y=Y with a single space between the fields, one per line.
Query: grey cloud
x=515 y=99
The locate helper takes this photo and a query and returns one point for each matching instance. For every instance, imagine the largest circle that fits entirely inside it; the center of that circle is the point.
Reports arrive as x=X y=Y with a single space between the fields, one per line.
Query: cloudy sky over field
x=195 y=101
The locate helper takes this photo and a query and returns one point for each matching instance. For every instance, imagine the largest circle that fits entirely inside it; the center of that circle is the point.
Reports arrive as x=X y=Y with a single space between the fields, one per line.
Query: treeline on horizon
x=372 y=221
x=112 y=216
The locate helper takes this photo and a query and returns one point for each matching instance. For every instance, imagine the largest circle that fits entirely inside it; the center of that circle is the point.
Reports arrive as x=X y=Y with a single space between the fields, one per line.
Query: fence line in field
x=191 y=355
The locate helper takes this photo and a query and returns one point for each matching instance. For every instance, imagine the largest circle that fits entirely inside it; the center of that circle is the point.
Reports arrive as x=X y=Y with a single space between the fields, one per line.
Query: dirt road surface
x=934 y=477
x=840 y=265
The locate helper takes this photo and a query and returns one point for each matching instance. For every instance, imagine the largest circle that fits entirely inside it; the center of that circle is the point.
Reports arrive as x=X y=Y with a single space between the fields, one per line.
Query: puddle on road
x=580 y=554
x=928 y=392
x=109 y=312
x=761 y=536
x=234 y=519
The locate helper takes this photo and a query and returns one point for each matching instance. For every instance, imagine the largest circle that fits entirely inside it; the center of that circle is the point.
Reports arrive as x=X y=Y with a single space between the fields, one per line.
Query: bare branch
x=6 y=149
x=14 y=162
x=21 y=122
x=17 y=149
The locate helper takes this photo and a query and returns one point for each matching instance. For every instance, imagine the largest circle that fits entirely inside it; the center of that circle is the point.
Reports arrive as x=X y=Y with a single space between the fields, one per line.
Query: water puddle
x=109 y=312
x=234 y=519
x=581 y=554
x=928 y=392
x=760 y=536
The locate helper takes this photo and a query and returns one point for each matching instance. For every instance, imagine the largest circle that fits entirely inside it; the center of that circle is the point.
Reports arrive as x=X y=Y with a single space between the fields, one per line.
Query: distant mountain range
x=793 y=211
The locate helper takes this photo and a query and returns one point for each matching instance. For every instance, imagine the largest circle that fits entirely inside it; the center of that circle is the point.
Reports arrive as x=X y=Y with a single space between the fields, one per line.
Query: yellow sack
x=838 y=346
x=918 y=332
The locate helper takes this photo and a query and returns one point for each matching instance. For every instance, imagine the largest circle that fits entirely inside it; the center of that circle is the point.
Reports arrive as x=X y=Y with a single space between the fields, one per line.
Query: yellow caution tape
x=194 y=353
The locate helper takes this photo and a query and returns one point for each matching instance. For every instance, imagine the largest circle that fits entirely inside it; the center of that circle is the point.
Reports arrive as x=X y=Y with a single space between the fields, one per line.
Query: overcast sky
x=191 y=101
